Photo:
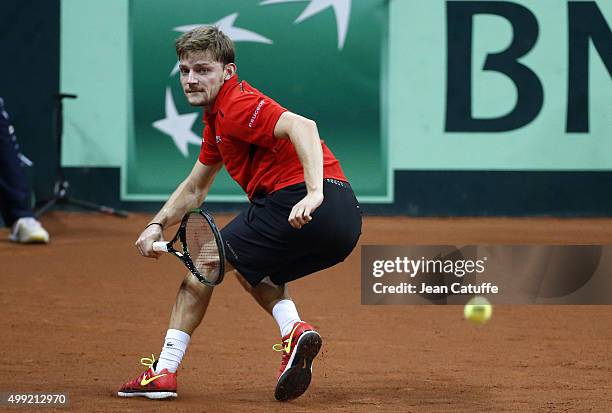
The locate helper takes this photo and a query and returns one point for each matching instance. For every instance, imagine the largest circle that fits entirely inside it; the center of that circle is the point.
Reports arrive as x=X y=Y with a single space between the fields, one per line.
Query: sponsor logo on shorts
x=335 y=182
x=231 y=250
x=218 y=139
x=257 y=109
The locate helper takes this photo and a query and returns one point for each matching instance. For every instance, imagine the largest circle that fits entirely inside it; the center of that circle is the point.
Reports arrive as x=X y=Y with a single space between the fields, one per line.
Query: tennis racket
x=198 y=245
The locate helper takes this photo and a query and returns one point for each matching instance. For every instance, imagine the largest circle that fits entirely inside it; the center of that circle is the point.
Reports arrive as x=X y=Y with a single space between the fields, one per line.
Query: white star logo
x=342 y=10
x=178 y=127
x=226 y=24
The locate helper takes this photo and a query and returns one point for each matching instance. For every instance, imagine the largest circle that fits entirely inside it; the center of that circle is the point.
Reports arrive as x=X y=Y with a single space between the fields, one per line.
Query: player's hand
x=144 y=243
x=301 y=212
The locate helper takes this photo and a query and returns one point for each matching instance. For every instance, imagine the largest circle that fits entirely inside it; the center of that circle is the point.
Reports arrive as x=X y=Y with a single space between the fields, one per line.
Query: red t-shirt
x=240 y=132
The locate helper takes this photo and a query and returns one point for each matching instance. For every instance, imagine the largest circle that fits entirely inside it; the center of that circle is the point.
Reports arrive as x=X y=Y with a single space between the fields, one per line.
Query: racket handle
x=160 y=246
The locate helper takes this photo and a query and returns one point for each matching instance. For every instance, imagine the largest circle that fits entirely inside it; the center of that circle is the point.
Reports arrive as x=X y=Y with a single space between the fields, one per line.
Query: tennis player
x=303 y=216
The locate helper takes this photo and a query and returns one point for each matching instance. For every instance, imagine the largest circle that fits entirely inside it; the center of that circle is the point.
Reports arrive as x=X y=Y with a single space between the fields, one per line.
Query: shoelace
x=148 y=362
x=287 y=348
x=279 y=347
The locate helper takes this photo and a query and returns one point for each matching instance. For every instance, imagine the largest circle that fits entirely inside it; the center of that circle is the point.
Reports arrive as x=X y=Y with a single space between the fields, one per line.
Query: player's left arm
x=304 y=135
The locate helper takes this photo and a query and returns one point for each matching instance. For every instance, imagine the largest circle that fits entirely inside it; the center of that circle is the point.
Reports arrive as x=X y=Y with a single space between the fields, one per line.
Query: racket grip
x=160 y=246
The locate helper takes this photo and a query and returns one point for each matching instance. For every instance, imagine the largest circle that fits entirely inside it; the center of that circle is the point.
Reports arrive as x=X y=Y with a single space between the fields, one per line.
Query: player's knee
x=194 y=287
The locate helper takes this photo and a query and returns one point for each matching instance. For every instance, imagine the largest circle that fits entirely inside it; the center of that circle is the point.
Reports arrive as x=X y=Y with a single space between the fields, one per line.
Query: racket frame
x=183 y=254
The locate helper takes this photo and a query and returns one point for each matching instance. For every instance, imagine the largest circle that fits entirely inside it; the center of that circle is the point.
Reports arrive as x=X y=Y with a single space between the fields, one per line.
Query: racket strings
x=202 y=247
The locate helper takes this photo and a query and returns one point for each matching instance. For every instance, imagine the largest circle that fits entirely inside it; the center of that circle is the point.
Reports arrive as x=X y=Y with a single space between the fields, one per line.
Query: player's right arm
x=188 y=195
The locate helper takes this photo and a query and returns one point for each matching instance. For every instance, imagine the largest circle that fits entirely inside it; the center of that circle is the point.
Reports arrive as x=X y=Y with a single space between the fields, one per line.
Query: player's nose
x=191 y=78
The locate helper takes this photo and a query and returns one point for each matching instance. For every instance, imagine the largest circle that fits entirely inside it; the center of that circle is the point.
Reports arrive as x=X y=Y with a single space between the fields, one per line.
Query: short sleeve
x=209 y=152
x=253 y=118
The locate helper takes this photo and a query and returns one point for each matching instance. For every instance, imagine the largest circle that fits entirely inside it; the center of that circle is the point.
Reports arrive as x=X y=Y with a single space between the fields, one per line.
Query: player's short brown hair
x=206 y=39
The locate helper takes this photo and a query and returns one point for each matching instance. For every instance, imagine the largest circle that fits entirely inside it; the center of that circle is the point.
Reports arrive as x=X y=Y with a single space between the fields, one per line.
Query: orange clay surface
x=79 y=313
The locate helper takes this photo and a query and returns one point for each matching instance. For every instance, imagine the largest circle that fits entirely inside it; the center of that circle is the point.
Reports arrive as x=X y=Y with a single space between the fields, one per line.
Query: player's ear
x=229 y=70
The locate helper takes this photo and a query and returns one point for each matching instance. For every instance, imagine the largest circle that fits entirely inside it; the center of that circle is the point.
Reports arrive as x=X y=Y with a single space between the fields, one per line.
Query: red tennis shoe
x=150 y=384
x=299 y=348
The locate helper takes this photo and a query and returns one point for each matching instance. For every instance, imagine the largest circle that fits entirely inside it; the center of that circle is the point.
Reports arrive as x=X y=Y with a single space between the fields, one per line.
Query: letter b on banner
x=586 y=25
x=459 y=116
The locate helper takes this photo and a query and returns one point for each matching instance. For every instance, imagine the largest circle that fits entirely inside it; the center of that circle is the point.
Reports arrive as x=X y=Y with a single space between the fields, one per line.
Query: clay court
x=80 y=313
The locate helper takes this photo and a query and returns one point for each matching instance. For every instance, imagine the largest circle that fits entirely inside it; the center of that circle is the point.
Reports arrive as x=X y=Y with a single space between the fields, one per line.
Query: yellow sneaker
x=27 y=231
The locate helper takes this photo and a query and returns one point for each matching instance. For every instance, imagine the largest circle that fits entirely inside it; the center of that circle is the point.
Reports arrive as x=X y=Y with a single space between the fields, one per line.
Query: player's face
x=202 y=78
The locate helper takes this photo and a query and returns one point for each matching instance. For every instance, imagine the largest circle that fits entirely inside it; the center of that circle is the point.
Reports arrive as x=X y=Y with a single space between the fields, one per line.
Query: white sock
x=286 y=315
x=173 y=351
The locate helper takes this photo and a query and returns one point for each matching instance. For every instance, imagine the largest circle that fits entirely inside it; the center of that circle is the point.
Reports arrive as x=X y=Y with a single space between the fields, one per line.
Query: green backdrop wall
x=471 y=107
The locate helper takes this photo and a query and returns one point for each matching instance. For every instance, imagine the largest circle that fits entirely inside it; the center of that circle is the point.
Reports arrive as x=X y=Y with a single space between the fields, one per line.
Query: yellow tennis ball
x=478 y=310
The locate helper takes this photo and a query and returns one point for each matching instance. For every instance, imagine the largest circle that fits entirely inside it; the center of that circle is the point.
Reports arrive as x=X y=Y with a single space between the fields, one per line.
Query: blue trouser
x=14 y=189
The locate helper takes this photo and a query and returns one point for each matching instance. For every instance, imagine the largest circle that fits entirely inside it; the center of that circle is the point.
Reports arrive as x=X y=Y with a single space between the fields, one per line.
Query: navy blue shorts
x=261 y=243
